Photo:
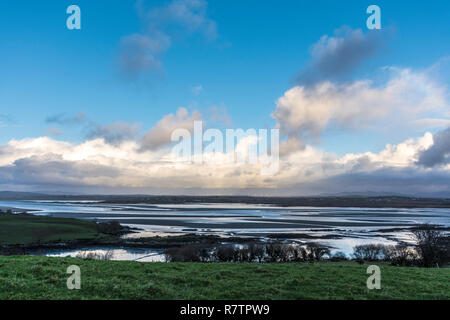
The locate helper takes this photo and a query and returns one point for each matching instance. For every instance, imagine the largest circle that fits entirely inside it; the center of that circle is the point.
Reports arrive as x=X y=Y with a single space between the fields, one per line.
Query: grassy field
x=28 y=229
x=26 y=277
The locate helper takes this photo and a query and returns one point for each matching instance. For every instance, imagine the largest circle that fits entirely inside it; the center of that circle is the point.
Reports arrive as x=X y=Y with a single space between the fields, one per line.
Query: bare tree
x=432 y=246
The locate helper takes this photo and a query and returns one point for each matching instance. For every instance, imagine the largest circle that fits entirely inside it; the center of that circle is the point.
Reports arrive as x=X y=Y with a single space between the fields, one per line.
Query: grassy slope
x=25 y=277
x=26 y=229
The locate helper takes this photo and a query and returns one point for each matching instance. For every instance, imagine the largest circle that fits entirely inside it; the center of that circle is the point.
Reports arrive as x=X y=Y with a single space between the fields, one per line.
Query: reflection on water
x=142 y=255
x=343 y=228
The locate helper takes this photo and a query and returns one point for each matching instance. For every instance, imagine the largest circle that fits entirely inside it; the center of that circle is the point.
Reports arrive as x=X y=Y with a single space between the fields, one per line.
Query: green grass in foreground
x=28 y=229
x=26 y=277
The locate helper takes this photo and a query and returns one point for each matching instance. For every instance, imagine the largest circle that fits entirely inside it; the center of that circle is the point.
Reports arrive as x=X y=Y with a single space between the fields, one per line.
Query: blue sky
x=47 y=69
x=253 y=59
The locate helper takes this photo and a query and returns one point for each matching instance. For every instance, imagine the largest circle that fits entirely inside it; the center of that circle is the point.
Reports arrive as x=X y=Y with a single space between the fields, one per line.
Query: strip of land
x=26 y=229
x=25 y=233
x=314 y=201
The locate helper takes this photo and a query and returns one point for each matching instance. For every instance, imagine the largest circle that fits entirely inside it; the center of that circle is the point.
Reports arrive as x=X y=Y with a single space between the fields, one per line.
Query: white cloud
x=303 y=113
x=115 y=133
x=142 y=52
x=160 y=134
x=45 y=163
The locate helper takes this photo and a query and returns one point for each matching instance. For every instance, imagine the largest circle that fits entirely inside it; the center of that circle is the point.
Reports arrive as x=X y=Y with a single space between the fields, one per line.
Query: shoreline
x=397 y=202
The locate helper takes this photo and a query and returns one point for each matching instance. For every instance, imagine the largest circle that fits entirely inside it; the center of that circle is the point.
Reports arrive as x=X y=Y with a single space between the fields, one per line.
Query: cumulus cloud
x=439 y=152
x=401 y=99
x=187 y=15
x=142 y=52
x=160 y=134
x=115 y=133
x=218 y=115
x=335 y=56
x=51 y=169
x=304 y=112
x=118 y=132
x=45 y=163
x=392 y=170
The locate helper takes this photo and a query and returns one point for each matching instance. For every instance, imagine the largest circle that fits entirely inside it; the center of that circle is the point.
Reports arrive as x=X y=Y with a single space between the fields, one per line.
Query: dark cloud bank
x=439 y=152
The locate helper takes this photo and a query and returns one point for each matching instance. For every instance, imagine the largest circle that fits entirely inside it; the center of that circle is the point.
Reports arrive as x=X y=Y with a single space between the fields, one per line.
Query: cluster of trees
x=431 y=250
x=433 y=247
x=110 y=227
x=401 y=255
x=253 y=252
x=7 y=211
x=96 y=255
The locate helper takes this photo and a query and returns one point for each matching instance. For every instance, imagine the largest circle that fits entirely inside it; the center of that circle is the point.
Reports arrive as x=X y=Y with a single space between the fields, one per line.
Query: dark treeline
x=253 y=252
x=431 y=250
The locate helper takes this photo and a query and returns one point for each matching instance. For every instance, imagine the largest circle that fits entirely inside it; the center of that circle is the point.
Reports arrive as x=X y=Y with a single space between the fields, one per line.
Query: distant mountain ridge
x=381 y=201
x=23 y=195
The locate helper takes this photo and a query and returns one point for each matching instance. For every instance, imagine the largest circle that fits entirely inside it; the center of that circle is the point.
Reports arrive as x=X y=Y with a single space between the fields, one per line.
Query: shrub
x=191 y=253
x=257 y=251
x=243 y=255
x=368 y=252
x=316 y=252
x=107 y=255
x=432 y=246
x=338 y=256
x=224 y=253
x=298 y=253
x=399 y=255
x=182 y=254
x=110 y=227
x=274 y=252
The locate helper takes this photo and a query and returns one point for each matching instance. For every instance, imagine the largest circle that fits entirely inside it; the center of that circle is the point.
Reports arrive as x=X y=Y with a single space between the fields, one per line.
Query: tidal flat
x=339 y=228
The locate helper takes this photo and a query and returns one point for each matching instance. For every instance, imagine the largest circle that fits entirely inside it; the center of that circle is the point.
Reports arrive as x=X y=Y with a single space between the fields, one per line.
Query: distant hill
x=386 y=201
x=13 y=195
x=434 y=195
x=18 y=195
